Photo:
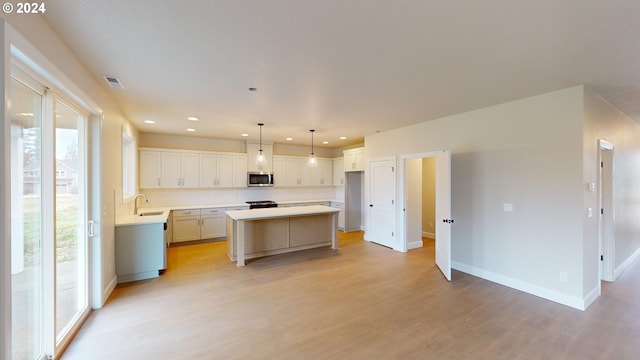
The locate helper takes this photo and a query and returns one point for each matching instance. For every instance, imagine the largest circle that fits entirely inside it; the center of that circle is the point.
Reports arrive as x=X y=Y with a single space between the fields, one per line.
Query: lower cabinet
x=199 y=224
x=139 y=251
x=213 y=223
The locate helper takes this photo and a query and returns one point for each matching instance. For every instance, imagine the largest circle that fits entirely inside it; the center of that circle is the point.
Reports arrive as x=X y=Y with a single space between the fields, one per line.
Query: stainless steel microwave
x=259 y=179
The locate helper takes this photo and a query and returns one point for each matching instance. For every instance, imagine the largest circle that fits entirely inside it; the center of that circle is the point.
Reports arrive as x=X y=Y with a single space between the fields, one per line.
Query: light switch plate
x=508 y=207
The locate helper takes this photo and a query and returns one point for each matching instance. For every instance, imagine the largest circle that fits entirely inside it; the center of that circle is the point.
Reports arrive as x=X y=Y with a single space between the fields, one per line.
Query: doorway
x=411 y=195
x=606 y=189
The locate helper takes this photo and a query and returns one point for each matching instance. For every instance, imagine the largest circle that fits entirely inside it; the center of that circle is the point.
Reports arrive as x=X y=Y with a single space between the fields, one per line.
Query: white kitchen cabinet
x=279 y=171
x=173 y=169
x=354 y=159
x=186 y=225
x=150 y=169
x=298 y=173
x=294 y=171
x=213 y=223
x=322 y=175
x=180 y=169
x=338 y=172
x=216 y=170
x=252 y=152
x=199 y=224
x=239 y=171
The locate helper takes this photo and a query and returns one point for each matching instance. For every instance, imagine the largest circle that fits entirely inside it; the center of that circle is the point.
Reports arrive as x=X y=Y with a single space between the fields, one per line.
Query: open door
x=443 y=213
x=606 y=211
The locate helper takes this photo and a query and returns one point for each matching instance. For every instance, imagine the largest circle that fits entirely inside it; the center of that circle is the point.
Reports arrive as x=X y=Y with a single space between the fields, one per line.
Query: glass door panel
x=70 y=204
x=27 y=281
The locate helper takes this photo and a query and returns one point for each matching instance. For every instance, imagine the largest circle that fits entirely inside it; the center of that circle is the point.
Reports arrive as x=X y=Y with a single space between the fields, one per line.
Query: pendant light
x=313 y=162
x=260 y=159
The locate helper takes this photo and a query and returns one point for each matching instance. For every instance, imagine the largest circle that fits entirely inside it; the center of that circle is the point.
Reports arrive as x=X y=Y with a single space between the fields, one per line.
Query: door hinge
x=392 y=234
x=601 y=164
x=392 y=202
x=601 y=211
x=601 y=257
x=393 y=169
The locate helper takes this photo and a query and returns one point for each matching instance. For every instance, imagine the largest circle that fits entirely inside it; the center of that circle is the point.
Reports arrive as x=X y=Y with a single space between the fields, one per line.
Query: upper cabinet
x=354 y=159
x=294 y=171
x=180 y=170
x=338 y=172
x=216 y=170
x=150 y=170
x=252 y=153
x=322 y=175
x=173 y=169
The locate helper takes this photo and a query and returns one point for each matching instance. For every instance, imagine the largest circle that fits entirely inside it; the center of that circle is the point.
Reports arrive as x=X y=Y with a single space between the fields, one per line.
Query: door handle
x=370 y=205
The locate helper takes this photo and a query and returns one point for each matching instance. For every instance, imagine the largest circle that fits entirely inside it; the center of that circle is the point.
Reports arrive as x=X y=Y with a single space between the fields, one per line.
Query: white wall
x=527 y=153
x=602 y=121
x=71 y=72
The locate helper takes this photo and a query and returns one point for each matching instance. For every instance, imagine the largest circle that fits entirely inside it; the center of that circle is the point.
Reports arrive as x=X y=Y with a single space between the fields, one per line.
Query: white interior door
x=382 y=214
x=443 y=213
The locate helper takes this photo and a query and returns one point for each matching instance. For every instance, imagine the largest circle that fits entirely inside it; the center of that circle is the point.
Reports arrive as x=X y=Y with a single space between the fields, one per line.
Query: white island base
x=261 y=232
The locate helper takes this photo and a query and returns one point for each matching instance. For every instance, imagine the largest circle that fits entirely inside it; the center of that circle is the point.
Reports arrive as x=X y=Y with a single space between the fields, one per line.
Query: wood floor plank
x=363 y=301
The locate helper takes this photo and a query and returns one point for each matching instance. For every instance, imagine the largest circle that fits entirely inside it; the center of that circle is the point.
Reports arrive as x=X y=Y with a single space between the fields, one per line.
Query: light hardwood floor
x=362 y=302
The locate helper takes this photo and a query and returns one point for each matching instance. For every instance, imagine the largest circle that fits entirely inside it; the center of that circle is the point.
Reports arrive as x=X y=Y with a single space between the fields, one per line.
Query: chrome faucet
x=135 y=202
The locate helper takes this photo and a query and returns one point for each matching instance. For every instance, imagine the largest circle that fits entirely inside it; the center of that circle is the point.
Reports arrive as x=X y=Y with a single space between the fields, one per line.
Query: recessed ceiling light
x=244 y=135
x=325 y=142
x=149 y=122
x=191 y=130
x=253 y=89
x=289 y=139
x=192 y=118
x=343 y=138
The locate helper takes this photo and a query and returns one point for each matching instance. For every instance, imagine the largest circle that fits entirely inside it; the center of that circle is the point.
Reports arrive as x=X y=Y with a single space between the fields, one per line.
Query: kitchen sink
x=152 y=213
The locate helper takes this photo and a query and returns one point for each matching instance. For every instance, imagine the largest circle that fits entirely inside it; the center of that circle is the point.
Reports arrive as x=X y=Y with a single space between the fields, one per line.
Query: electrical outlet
x=563 y=276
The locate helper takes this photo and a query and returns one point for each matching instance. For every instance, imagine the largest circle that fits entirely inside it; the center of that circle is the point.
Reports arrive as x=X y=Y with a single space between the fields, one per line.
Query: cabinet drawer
x=190 y=212
x=238 y=208
x=212 y=211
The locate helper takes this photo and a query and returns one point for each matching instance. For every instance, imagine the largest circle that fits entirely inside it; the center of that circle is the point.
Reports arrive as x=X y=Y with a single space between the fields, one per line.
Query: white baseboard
x=592 y=296
x=414 y=245
x=109 y=289
x=620 y=269
x=428 y=235
x=555 y=296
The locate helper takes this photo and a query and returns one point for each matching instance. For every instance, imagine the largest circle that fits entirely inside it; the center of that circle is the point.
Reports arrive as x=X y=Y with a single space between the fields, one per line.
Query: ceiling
x=344 y=68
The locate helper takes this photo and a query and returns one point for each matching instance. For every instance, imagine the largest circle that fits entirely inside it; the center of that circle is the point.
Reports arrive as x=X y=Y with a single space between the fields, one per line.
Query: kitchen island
x=261 y=232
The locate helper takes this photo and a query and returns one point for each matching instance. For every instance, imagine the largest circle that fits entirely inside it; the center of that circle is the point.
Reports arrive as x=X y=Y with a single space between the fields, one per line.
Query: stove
x=261 y=204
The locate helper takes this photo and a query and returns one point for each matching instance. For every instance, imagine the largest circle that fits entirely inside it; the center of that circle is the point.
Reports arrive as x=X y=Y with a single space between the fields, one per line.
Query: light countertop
x=267 y=213
x=131 y=219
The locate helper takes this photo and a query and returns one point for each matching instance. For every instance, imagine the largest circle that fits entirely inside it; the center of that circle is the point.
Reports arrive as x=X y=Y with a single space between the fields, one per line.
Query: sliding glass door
x=49 y=240
x=71 y=220
x=27 y=269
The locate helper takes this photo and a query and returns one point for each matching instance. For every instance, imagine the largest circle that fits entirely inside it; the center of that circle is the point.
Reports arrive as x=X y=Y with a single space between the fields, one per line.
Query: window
x=128 y=165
